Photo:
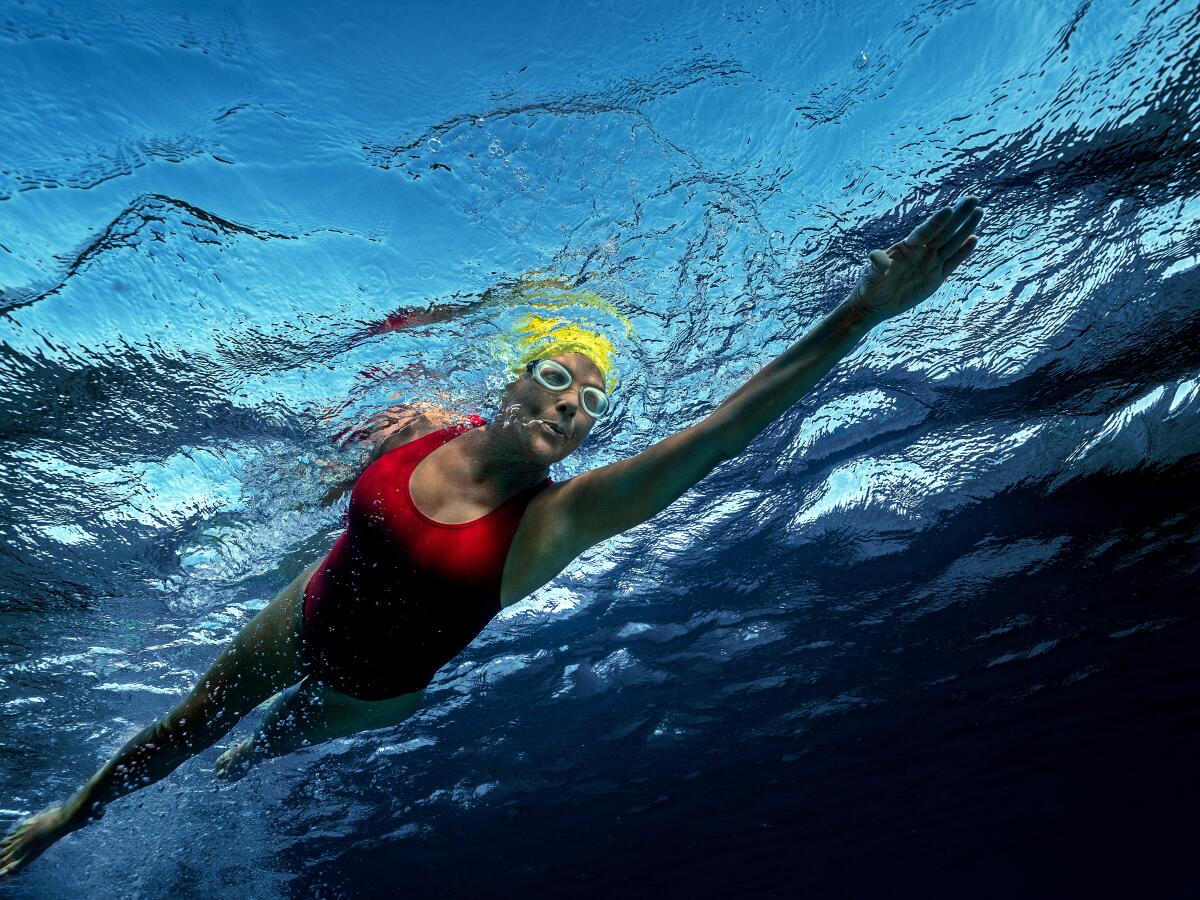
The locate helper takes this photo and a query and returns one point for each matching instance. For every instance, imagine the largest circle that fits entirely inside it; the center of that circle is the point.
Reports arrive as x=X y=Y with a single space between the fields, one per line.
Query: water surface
x=932 y=634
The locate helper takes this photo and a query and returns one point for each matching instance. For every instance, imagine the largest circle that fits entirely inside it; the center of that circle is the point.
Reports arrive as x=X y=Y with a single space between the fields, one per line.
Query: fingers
x=963 y=210
x=962 y=253
x=934 y=230
x=958 y=237
x=930 y=228
x=880 y=260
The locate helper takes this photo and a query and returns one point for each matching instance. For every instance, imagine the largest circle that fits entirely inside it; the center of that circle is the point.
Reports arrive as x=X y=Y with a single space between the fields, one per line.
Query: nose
x=564 y=403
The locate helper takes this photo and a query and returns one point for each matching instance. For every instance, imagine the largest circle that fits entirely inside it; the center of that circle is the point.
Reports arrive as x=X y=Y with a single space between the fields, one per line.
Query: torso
x=403 y=591
x=532 y=560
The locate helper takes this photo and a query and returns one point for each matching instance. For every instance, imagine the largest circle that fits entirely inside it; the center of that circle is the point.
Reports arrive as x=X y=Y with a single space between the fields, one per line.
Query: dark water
x=931 y=635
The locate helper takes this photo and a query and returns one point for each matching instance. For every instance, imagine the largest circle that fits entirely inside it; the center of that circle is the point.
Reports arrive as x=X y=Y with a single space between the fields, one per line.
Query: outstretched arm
x=611 y=499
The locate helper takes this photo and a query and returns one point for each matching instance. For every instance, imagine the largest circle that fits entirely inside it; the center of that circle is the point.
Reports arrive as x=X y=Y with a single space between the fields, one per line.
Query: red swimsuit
x=400 y=594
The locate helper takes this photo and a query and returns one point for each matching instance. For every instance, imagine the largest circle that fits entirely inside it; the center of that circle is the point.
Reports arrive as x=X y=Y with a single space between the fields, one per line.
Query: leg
x=311 y=713
x=262 y=659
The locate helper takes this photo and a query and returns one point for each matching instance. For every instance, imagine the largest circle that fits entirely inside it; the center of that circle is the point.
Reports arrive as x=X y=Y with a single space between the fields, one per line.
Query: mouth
x=550 y=427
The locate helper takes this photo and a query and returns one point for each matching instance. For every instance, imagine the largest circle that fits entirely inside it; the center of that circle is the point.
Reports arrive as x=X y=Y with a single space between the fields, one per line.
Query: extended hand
x=908 y=272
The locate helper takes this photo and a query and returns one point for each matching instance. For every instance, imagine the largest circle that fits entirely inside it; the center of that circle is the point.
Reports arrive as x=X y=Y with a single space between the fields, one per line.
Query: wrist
x=855 y=317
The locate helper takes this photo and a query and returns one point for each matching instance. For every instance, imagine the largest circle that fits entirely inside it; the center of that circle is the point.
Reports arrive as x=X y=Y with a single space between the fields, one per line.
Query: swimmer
x=449 y=524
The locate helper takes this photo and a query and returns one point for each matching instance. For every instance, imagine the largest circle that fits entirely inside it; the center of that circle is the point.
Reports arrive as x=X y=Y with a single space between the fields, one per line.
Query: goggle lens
x=552 y=375
x=555 y=377
x=595 y=402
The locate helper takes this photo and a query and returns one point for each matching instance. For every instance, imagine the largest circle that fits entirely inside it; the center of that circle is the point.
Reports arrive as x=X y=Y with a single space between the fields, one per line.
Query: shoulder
x=544 y=544
x=404 y=423
x=401 y=424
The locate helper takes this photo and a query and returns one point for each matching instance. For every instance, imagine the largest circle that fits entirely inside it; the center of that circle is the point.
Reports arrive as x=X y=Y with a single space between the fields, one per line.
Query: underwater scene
x=932 y=633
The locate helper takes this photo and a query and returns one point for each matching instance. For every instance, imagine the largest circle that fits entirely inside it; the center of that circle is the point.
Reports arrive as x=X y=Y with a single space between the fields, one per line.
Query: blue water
x=933 y=634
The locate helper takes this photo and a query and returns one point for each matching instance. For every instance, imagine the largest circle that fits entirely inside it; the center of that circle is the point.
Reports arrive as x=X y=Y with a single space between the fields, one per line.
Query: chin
x=540 y=449
x=561 y=452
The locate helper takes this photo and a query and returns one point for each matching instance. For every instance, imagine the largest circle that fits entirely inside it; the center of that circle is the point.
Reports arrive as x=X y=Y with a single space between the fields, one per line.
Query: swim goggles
x=556 y=377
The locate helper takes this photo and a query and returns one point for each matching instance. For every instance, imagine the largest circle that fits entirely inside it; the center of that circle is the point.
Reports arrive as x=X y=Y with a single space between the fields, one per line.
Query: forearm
x=775 y=388
x=335 y=492
x=621 y=495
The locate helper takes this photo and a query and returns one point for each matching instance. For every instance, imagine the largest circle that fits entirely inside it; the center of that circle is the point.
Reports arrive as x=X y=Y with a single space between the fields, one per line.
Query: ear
x=510 y=386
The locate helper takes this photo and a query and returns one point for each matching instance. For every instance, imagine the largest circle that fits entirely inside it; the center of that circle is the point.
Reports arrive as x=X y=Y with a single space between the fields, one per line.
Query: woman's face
x=551 y=424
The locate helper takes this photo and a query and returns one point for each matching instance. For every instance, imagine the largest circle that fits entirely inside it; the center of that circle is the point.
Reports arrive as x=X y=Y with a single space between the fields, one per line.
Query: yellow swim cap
x=536 y=334
x=541 y=336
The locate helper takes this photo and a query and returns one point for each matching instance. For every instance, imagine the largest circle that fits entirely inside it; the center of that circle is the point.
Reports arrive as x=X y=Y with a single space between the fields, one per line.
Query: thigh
x=275 y=634
x=341 y=714
x=263 y=658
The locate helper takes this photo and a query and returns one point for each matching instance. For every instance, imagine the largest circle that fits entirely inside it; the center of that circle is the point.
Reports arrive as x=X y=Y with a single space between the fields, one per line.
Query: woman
x=448 y=525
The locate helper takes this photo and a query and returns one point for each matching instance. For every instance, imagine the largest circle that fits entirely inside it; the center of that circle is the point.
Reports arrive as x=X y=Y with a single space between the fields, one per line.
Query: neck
x=492 y=457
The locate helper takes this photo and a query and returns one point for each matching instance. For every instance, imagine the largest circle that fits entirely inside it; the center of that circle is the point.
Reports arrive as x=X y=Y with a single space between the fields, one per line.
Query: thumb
x=880 y=260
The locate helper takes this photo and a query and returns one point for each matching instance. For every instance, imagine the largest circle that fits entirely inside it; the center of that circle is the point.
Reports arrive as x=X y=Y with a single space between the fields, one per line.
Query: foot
x=31 y=838
x=236 y=761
